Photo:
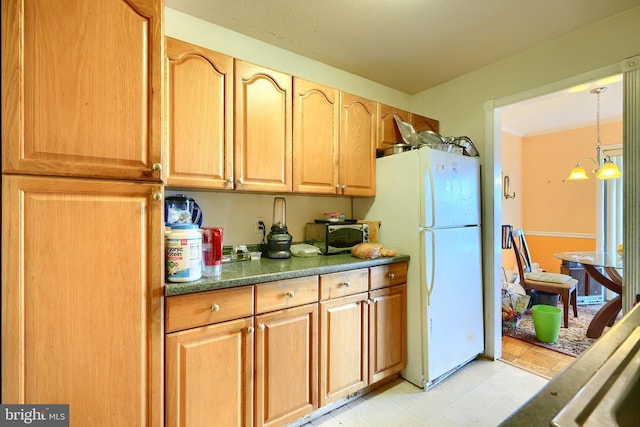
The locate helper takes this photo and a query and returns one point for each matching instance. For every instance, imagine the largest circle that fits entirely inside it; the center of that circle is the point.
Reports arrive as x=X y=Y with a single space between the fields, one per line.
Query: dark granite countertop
x=267 y=270
x=545 y=405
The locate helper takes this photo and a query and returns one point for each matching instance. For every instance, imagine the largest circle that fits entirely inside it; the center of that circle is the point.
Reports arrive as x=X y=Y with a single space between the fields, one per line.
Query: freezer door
x=455 y=332
x=452 y=189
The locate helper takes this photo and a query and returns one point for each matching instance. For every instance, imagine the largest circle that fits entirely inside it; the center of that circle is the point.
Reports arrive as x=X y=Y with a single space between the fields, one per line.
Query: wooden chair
x=555 y=283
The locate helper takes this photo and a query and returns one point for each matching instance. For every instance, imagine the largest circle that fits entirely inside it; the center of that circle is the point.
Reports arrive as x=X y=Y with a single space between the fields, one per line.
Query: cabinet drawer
x=205 y=308
x=383 y=276
x=286 y=293
x=334 y=285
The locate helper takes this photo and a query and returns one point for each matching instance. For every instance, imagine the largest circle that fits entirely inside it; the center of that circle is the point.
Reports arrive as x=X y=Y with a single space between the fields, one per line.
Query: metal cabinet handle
x=347 y=284
x=250 y=330
x=261 y=327
x=215 y=307
x=157 y=167
x=392 y=276
x=290 y=294
x=157 y=196
x=240 y=181
x=342 y=187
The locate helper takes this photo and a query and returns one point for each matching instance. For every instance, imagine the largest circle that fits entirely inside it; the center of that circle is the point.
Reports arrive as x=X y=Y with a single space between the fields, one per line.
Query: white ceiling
x=408 y=45
x=566 y=109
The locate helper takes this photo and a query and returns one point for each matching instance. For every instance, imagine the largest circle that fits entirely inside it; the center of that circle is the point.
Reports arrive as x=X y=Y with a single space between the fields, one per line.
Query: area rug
x=572 y=341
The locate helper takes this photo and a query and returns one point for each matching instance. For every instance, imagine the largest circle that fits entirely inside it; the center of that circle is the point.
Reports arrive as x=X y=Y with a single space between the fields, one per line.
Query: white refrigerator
x=429 y=204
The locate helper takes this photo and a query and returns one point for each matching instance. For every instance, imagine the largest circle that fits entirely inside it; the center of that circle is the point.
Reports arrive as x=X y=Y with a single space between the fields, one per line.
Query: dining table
x=595 y=263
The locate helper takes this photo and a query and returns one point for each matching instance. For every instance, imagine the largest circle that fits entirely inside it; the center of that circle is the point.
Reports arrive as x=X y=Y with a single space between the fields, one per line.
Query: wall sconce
x=608 y=170
x=506 y=188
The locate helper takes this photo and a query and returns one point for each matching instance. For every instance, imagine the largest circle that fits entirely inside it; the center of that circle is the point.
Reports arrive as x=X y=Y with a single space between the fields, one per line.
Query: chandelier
x=608 y=170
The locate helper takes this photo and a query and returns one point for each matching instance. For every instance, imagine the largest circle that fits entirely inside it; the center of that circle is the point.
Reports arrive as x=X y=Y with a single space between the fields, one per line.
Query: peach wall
x=542 y=249
x=557 y=215
x=550 y=202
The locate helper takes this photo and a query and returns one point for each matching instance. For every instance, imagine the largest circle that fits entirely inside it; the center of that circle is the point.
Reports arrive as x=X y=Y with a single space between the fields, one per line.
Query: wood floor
x=530 y=357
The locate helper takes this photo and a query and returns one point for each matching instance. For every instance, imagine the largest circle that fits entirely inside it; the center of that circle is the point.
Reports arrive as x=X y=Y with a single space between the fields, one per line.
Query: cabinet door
x=262 y=116
x=343 y=347
x=82 y=298
x=388 y=132
x=316 y=126
x=81 y=88
x=387 y=332
x=200 y=116
x=358 y=124
x=424 y=123
x=209 y=373
x=286 y=365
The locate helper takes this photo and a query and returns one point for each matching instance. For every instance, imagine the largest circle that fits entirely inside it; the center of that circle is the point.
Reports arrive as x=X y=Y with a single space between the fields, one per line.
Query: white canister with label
x=183 y=248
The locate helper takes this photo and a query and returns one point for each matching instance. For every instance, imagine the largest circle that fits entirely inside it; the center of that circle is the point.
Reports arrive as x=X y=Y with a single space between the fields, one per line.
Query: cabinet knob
x=215 y=307
x=347 y=284
x=261 y=327
x=342 y=187
x=250 y=330
x=157 y=196
x=240 y=181
x=157 y=167
x=290 y=294
x=368 y=301
x=392 y=276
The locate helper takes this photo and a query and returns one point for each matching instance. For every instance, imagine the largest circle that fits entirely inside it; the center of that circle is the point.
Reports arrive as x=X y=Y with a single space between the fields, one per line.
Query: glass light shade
x=577 y=173
x=608 y=171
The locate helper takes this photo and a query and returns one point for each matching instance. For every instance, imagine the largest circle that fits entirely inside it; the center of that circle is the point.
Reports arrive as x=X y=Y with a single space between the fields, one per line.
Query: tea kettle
x=279 y=240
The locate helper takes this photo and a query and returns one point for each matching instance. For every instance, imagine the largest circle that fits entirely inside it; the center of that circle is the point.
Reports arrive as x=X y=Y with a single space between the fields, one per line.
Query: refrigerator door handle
x=432 y=271
x=433 y=199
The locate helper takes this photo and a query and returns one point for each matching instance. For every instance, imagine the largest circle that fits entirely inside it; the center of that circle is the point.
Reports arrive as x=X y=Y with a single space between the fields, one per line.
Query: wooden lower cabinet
x=343 y=346
x=81 y=298
x=286 y=380
x=387 y=332
x=209 y=375
x=288 y=354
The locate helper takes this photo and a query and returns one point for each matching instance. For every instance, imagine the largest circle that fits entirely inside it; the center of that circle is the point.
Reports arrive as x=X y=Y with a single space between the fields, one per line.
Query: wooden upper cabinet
x=263 y=129
x=424 y=123
x=316 y=133
x=358 y=126
x=81 y=88
x=200 y=116
x=388 y=133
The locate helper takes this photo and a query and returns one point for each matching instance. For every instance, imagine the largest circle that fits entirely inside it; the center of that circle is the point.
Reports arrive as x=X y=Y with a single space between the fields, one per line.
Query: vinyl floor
x=483 y=393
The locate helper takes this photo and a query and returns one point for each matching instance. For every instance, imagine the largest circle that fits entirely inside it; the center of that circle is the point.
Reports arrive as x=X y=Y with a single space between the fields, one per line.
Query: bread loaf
x=371 y=251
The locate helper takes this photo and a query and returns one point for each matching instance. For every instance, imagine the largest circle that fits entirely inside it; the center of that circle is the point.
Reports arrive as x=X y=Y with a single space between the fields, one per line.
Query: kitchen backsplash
x=237 y=212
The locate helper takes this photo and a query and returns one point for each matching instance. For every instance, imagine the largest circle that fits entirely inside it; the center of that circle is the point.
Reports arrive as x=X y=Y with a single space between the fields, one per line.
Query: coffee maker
x=278 y=245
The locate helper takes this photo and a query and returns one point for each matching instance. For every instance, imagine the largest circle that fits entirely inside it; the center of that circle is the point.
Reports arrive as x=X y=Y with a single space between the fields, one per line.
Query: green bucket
x=546 y=322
